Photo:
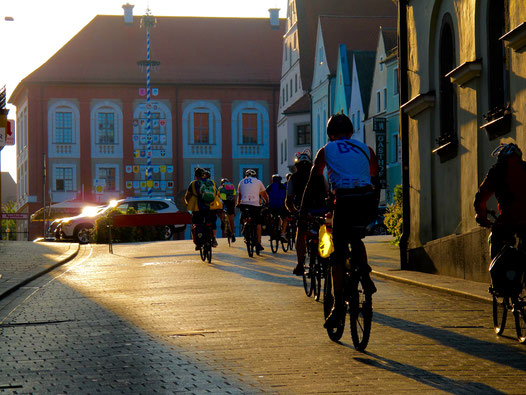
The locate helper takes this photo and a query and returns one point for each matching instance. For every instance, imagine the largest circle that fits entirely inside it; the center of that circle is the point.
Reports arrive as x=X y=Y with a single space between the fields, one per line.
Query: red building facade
x=81 y=116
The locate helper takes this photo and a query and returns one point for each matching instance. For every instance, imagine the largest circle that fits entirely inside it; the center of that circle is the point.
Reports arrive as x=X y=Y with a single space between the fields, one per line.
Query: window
x=63 y=179
x=320 y=55
x=287 y=91
x=286 y=49
x=105 y=128
x=303 y=135
x=395 y=146
x=353 y=120
x=291 y=87
x=250 y=129
x=378 y=101
x=498 y=78
x=385 y=98
x=63 y=128
x=395 y=81
x=358 y=120
x=296 y=83
x=281 y=160
x=381 y=64
x=447 y=100
x=108 y=175
x=283 y=97
x=201 y=128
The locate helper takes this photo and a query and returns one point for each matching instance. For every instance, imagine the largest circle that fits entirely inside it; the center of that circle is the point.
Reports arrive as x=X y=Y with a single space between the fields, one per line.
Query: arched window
x=498 y=77
x=201 y=129
x=250 y=129
x=448 y=98
x=63 y=127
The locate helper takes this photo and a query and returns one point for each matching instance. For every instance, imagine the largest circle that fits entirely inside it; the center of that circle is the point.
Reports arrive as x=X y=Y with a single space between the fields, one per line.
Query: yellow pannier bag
x=325 y=245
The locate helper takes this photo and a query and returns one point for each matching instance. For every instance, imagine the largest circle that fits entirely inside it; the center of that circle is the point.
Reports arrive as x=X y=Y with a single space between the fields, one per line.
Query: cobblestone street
x=154 y=318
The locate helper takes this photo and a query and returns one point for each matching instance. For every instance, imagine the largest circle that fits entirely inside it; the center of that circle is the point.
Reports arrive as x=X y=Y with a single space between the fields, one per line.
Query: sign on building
x=379 y=127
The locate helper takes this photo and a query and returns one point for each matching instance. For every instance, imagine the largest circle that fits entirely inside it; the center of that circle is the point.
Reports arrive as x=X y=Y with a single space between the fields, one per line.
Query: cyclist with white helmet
x=250 y=192
x=506 y=179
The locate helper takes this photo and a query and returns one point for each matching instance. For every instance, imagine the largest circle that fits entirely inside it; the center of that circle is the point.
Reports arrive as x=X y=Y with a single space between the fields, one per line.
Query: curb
x=39 y=274
x=433 y=287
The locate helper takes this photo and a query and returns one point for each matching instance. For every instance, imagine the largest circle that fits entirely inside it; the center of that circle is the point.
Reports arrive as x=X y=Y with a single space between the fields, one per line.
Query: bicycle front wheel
x=209 y=253
x=520 y=324
x=500 y=311
x=361 y=312
x=308 y=282
x=202 y=252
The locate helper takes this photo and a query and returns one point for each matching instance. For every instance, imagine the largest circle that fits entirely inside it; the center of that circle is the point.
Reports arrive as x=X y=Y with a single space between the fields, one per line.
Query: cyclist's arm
x=374 y=172
x=188 y=193
x=485 y=192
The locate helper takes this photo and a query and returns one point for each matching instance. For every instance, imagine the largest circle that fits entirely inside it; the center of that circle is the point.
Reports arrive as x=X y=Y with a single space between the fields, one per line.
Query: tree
x=5 y=224
x=393 y=216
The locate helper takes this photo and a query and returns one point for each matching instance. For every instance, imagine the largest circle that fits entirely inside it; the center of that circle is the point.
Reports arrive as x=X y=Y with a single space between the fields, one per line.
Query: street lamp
x=148 y=21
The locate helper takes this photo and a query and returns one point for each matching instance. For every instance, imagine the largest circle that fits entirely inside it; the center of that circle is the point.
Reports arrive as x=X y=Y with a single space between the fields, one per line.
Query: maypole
x=148 y=21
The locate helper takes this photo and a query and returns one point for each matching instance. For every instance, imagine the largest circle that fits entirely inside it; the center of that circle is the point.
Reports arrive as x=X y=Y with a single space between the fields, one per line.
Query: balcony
x=498 y=122
x=447 y=147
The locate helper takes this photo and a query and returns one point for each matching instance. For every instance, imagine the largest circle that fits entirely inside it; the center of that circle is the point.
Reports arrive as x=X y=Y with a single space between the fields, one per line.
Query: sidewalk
x=384 y=259
x=23 y=261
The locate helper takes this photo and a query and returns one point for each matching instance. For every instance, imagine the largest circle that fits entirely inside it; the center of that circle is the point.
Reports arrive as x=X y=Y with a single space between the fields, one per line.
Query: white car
x=79 y=227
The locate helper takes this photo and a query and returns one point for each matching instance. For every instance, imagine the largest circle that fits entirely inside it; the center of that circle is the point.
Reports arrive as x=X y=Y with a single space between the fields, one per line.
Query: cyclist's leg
x=211 y=219
x=301 y=248
x=284 y=221
x=256 y=215
x=359 y=257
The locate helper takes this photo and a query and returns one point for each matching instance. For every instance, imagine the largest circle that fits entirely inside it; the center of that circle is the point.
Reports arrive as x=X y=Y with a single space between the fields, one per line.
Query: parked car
x=377 y=227
x=79 y=227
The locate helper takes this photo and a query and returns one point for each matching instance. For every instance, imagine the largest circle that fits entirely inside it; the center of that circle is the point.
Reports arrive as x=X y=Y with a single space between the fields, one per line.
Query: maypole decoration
x=148 y=21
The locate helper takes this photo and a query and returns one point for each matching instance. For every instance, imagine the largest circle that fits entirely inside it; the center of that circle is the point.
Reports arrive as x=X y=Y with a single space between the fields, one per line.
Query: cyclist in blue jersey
x=277 y=193
x=353 y=176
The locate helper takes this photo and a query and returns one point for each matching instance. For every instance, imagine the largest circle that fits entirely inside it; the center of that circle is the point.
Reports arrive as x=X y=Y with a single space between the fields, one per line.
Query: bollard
x=110 y=242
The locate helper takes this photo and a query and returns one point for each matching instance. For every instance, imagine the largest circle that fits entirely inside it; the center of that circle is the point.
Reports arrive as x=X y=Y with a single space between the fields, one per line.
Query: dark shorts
x=205 y=217
x=253 y=212
x=229 y=206
x=280 y=212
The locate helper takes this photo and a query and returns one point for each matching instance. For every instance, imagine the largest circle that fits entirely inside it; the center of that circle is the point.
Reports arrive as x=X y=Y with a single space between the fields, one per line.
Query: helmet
x=276 y=177
x=339 y=124
x=207 y=174
x=199 y=172
x=223 y=180
x=505 y=150
x=303 y=157
x=250 y=173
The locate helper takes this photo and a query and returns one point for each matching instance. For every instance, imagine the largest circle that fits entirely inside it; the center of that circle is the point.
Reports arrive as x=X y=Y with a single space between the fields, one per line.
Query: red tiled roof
x=190 y=49
x=308 y=12
x=357 y=33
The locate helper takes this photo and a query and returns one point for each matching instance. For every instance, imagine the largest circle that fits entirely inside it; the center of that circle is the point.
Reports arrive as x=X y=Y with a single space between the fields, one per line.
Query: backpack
x=207 y=190
x=228 y=190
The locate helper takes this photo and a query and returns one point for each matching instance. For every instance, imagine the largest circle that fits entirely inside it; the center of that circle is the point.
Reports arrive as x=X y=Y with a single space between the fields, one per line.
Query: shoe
x=197 y=248
x=298 y=270
x=283 y=239
x=233 y=239
x=214 y=242
x=368 y=285
x=259 y=247
x=334 y=319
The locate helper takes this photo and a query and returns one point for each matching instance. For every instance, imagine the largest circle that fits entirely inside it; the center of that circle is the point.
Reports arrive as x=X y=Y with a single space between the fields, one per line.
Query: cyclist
x=227 y=192
x=250 y=192
x=276 y=203
x=506 y=179
x=295 y=188
x=353 y=175
x=203 y=201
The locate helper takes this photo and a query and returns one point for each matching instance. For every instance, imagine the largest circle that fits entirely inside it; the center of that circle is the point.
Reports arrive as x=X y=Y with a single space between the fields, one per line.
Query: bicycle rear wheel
x=308 y=282
x=317 y=275
x=361 y=313
x=274 y=245
x=285 y=246
x=209 y=253
x=202 y=252
x=500 y=311
x=520 y=323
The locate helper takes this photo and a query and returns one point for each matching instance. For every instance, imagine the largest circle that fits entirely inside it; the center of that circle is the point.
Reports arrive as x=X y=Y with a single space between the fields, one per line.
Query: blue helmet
x=505 y=150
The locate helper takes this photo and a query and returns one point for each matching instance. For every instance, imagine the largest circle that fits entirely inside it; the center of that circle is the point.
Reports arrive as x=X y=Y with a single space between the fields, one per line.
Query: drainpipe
x=404 y=130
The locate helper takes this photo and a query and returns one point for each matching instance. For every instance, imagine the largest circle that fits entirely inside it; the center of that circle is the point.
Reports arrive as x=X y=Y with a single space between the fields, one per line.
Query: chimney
x=274 y=17
x=128 y=14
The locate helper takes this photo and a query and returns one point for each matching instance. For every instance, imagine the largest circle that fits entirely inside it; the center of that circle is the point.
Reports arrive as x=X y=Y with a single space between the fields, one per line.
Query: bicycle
x=249 y=231
x=204 y=234
x=226 y=228
x=291 y=233
x=315 y=267
x=358 y=304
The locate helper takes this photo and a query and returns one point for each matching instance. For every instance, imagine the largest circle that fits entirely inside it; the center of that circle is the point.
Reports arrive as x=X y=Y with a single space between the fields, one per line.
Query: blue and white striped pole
x=149 y=182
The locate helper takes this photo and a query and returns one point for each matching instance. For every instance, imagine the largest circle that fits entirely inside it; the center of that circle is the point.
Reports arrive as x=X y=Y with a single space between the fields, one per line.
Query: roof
x=390 y=38
x=300 y=106
x=190 y=49
x=365 y=68
x=357 y=33
x=308 y=12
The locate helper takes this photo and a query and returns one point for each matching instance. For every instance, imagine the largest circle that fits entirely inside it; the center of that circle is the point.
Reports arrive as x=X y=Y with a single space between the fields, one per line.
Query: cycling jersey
x=249 y=189
x=348 y=162
x=276 y=195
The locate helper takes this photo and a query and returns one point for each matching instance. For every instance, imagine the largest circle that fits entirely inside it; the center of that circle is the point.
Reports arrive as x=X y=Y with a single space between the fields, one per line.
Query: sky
x=41 y=27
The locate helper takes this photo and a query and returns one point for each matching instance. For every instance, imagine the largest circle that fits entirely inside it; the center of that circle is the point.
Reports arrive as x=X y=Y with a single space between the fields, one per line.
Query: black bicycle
x=291 y=233
x=358 y=304
x=249 y=231
x=274 y=231
x=226 y=227
x=204 y=233
x=315 y=268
